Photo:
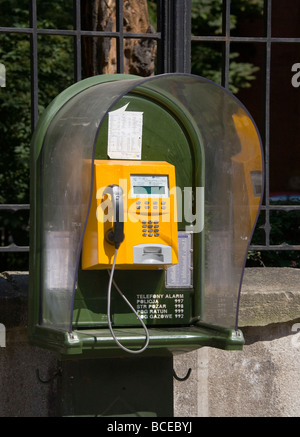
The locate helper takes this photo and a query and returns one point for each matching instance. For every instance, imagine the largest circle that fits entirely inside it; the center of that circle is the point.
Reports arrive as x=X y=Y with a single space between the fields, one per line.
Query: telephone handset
x=116 y=235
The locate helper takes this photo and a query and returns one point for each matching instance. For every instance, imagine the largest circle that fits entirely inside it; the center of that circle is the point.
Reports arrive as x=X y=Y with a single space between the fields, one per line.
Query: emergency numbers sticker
x=125 y=129
x=181 y=275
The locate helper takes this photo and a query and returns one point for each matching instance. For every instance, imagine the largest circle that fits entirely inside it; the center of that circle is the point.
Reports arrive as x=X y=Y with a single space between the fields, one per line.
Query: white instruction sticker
x=125 y=129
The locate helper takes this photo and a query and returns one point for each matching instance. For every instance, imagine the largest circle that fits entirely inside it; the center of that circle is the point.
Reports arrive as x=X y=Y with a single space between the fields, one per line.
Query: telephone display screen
x=149 y=185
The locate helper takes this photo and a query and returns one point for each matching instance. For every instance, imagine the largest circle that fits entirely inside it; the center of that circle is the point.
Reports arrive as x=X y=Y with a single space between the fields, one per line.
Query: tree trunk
x=100 y=54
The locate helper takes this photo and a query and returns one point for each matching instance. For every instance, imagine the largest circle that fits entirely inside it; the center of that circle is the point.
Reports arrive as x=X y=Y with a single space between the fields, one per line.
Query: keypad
x=150 y=228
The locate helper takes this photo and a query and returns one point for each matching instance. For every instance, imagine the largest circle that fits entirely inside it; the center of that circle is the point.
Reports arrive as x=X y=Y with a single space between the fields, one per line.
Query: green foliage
x=207 y=14
x=206 y=17
x=55 y=54
x=14 y=119
x=55 y=73
x=240 y=74
x=207 y=62
x=152 y=12
x=207 y=58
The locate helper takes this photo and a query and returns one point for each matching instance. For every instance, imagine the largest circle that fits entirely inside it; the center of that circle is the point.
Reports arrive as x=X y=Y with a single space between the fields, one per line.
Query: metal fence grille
x=267 y=41
x=174 y=39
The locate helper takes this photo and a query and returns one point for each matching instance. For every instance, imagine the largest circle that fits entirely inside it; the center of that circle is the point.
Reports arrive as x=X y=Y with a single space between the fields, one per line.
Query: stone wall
x=262 y=380
x=22 y=394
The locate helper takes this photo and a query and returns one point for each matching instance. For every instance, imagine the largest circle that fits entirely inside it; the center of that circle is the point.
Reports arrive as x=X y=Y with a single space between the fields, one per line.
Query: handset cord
x=111 y=281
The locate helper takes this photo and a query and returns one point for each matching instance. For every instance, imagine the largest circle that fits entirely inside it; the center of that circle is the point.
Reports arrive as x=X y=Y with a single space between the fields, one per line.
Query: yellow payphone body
x=133 y=209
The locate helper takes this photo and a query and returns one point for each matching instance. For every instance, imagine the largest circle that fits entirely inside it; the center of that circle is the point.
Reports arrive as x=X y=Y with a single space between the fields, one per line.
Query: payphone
x=133 y=210
x=150 y=187
x=132 y=222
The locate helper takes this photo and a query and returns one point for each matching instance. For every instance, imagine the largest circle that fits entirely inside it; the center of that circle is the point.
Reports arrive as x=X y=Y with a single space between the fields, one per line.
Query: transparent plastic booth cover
x=233 y=187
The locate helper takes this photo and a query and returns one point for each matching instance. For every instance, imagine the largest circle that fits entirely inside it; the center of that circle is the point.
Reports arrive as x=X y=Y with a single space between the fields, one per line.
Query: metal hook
x=184 y=378
x=47 y=381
